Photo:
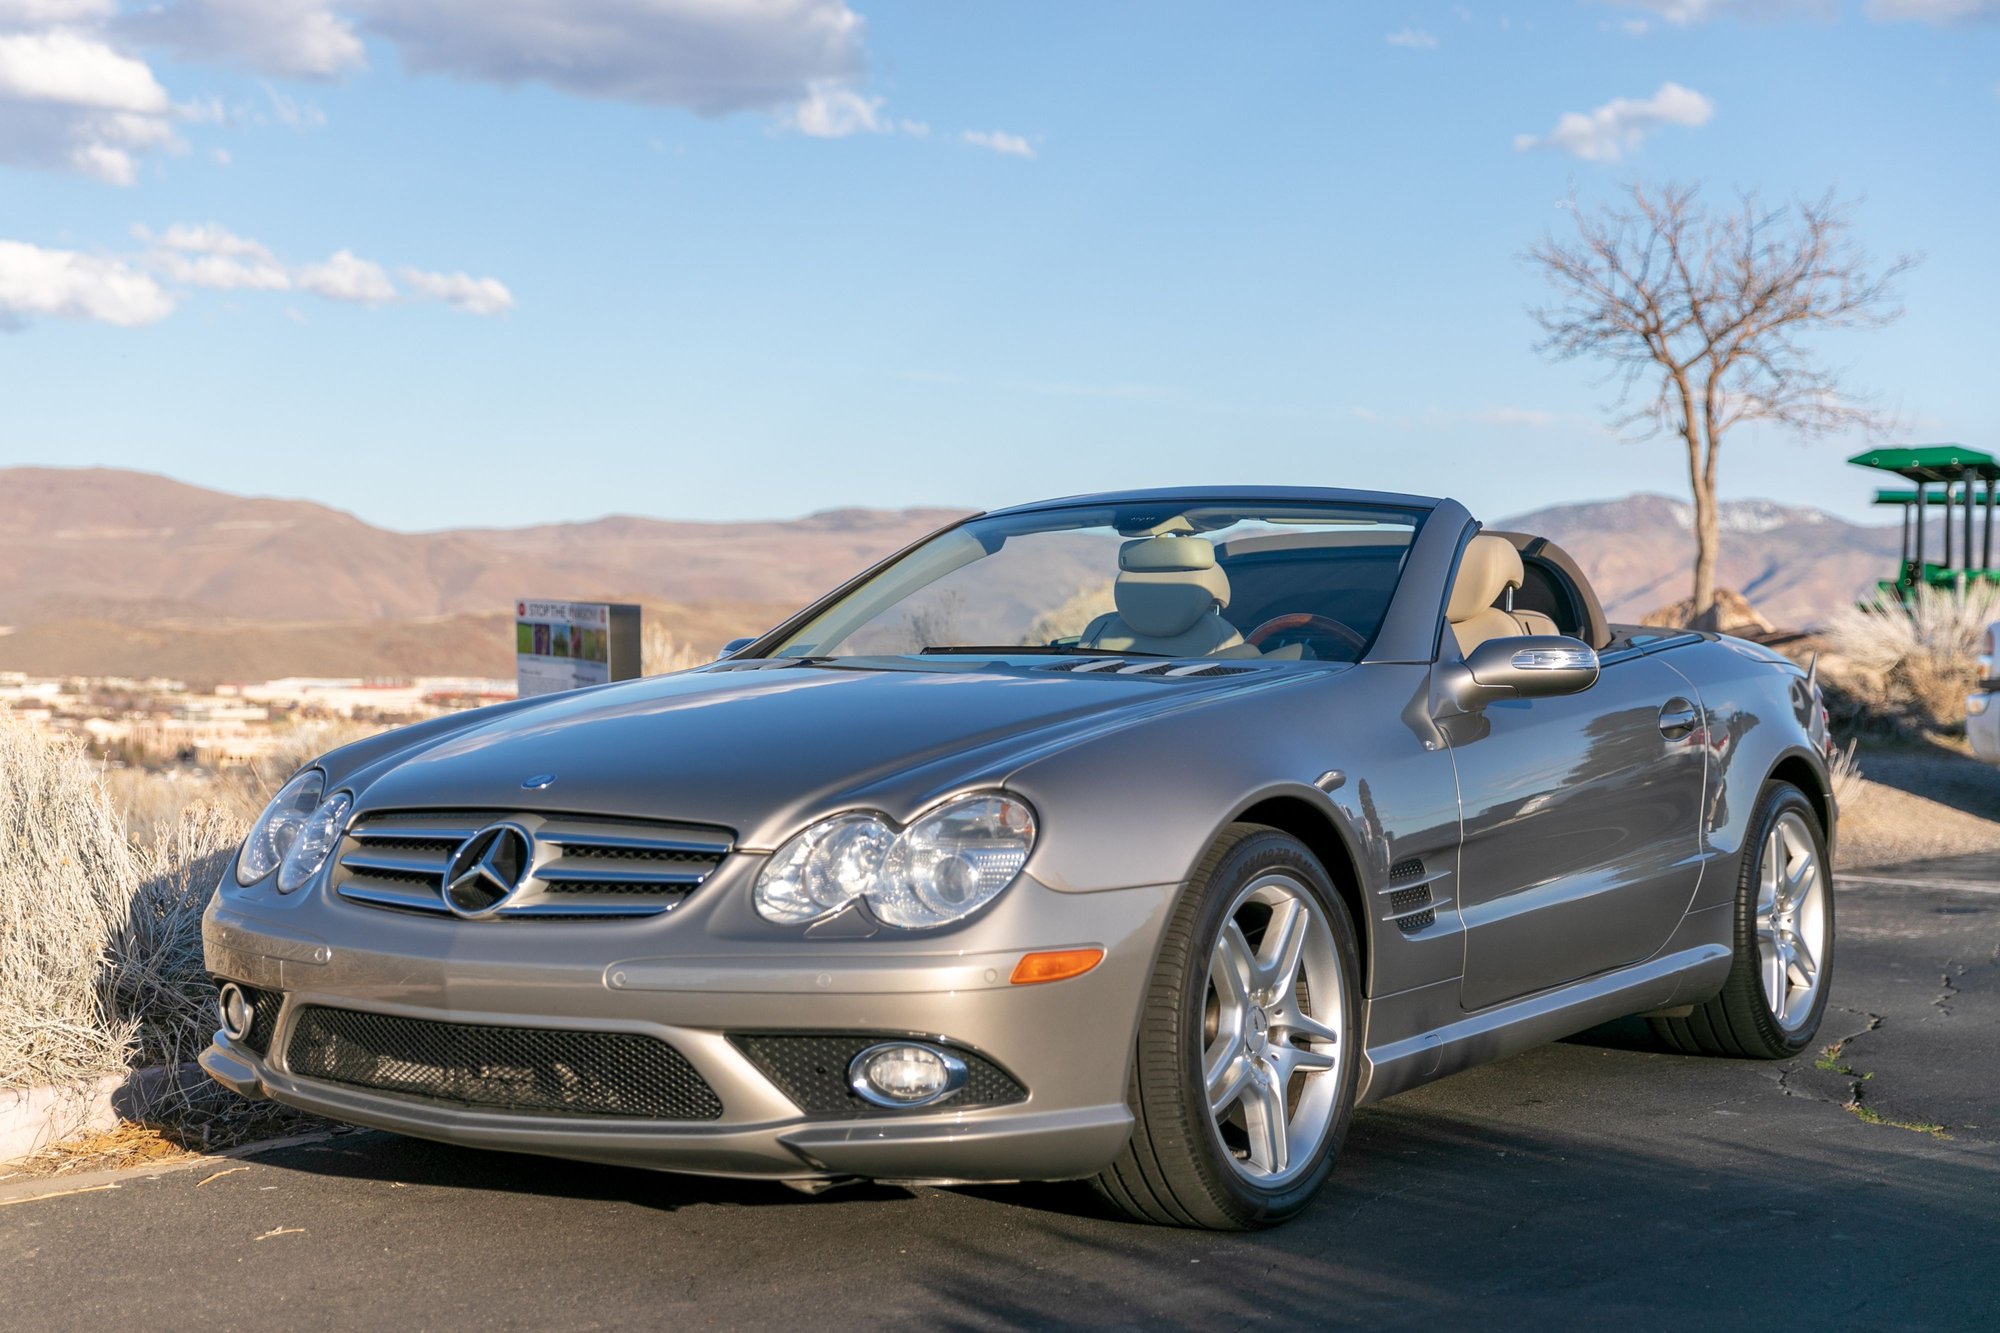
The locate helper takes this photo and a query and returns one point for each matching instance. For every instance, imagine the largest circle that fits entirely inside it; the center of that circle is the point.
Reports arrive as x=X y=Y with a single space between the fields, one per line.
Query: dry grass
x=100 y=933
x=66 y=897
x=660 y=652
x=1907 y=667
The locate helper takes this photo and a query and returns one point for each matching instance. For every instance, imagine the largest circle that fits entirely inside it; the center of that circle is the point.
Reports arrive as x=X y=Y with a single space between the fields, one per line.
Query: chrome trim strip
x=1434 y=905
x=1416 y=883
x=586 y=875
x=395 y=864
x=635 y=843
x=424 y=901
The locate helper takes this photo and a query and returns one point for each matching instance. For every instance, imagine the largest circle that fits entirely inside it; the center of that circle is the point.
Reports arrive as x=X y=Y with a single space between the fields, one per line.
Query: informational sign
x=568 y=645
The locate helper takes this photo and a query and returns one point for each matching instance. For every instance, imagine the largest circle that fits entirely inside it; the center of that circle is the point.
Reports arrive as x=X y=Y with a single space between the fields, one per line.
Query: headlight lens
x=315 y=842
x=945 y=866
x=278 y=827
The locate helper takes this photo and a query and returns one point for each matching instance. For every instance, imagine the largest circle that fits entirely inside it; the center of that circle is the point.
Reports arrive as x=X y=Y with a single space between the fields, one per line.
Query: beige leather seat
x=1482 y=595
x=1169 y=594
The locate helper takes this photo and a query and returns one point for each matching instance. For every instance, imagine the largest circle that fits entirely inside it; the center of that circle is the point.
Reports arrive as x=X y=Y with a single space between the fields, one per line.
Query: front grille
x=582 y=867
x=811 y=1069
x=545 y=1070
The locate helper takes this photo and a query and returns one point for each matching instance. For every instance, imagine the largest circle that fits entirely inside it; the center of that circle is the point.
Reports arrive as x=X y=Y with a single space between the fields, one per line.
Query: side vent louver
x=1412 y=904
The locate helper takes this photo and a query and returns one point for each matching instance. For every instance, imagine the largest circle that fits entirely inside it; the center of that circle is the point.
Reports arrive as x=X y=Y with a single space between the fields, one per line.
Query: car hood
x=760 y=751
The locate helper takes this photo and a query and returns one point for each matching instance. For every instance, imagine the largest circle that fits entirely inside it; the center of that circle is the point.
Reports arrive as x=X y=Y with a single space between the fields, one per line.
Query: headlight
x=278 y=827
x=315 y=842
x=944 y=866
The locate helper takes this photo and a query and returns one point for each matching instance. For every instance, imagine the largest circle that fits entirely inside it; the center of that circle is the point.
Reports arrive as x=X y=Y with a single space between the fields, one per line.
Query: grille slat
x=584 y=867
x=548 y=1071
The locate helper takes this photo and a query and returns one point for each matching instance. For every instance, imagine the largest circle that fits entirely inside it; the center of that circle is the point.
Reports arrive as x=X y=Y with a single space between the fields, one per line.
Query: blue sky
x=451 y=262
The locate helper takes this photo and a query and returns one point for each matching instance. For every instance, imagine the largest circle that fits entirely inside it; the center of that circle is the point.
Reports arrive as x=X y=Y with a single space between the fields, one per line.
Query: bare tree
x=1704 y=316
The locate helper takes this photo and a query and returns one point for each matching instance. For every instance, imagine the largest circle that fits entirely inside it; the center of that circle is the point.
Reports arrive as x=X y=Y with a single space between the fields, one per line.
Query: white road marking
x=1886 y=882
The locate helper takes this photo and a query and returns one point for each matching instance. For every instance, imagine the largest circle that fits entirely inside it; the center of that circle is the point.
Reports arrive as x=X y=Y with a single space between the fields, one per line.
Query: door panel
x=1582 y=829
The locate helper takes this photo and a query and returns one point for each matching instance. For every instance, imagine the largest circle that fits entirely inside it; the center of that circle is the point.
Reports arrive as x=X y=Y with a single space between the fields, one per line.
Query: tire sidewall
x=1778 y=798
x=1259 y=854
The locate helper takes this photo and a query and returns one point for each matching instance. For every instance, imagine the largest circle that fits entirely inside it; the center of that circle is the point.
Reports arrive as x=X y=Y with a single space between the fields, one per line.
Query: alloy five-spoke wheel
x=1770 y=1004
x=1792 y=920
x=1273 y=1029
x=1244 y=1075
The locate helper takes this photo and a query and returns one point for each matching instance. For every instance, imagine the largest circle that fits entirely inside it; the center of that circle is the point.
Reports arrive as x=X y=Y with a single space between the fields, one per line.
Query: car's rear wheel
x=1770 y=1007
x=1243 y=1082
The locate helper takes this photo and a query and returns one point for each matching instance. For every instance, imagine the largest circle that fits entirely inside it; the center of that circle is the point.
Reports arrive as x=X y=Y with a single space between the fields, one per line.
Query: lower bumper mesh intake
x=546 y=1070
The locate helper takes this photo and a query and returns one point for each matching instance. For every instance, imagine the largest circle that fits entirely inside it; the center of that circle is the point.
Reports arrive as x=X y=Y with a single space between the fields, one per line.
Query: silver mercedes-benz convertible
x=1135 y=838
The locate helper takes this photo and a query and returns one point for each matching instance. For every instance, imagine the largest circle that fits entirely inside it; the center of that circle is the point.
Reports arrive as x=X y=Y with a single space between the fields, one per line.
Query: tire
x=1775 y=947
x=1214 y=1003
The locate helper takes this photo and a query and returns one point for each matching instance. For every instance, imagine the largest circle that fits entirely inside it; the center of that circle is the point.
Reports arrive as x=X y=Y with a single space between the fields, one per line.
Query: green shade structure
x=1958 y=471
x=1932 y=462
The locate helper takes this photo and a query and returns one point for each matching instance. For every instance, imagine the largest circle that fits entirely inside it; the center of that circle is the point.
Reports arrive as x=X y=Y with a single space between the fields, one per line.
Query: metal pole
x=1986 y=560
x=1966 y=474
x=1949 y=558
x=1923 y=514
x=1908 y=509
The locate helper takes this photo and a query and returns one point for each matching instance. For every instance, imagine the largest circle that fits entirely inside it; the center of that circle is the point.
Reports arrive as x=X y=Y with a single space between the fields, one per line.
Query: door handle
x=1678 y=718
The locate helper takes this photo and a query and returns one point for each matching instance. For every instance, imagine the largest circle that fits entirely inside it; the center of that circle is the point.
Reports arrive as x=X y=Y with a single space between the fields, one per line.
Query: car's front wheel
x=1243 y=1081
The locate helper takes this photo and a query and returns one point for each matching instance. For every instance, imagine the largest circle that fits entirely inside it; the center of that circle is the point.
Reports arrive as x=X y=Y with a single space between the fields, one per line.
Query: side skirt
x=1493 y=1034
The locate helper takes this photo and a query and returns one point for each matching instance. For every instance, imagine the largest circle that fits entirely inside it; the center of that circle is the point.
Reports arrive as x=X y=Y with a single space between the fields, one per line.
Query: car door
x=1581 y=828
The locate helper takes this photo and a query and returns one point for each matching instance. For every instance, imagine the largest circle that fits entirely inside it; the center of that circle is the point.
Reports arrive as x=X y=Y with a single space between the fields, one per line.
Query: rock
x=1731 y=614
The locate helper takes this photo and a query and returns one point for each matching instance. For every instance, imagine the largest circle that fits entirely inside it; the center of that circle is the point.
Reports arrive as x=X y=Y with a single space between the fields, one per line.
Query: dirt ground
x=1920 y=800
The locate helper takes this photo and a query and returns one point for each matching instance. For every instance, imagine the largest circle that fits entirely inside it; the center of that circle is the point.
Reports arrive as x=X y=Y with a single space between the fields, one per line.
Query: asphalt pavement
x=1593 y=1183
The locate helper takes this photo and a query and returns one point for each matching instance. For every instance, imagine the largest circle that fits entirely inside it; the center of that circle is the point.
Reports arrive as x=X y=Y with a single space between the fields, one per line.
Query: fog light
x=237 y=1011
x=905 y=1073
x=1975 y=704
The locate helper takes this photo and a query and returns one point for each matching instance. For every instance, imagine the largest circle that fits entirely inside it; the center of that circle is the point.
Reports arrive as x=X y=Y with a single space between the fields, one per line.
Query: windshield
x=1297 y=582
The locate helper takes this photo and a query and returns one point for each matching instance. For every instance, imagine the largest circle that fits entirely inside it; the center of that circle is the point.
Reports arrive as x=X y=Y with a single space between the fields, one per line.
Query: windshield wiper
x=1030 y=650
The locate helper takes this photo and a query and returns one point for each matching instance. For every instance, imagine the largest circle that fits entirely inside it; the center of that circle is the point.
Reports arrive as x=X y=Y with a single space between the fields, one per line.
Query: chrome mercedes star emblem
x=488 y=869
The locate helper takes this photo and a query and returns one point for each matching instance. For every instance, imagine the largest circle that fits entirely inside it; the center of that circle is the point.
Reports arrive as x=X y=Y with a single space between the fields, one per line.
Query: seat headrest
x=1156 y=554
x=1167 y=584
x=1490 y=567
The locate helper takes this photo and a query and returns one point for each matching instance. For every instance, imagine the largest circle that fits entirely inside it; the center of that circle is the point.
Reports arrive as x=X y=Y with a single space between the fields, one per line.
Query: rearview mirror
x=1530 y=666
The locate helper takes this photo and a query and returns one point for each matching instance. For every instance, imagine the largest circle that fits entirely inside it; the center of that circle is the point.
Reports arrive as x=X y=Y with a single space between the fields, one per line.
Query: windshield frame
x=1416 y=510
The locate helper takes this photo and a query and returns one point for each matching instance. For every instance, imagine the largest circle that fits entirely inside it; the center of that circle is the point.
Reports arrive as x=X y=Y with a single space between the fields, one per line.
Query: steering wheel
x=1305 y=620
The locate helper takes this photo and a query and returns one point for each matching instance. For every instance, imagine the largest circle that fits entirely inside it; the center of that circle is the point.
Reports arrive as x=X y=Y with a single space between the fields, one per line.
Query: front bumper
x=691 y=985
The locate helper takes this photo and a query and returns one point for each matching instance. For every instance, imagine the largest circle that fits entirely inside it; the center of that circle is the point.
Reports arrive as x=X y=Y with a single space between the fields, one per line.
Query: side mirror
x=1532 y=666
x=735 y=646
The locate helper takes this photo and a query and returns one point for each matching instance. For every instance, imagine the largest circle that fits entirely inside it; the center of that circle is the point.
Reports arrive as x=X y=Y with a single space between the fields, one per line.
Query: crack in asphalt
x=1820 y=1063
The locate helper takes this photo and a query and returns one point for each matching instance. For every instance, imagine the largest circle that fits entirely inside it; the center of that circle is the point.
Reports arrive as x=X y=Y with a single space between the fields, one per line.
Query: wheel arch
x=1314 y=825
x=1797 y=768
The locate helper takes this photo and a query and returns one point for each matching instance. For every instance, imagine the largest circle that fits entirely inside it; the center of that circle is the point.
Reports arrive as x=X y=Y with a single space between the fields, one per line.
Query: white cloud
x=707 y=56
x=1932 y=11
x=344 y=276
x=1532 y=418
x=999 y=141
x=1618 y=127
x=40 y=13
x=1416 y=39
x=70 y=100
x=35 y=281
x=211 y=256
x=289 y=38
x=1692 y=13
x=64 y=68
x=834 y=111
x=220 y=156
x=461 y=291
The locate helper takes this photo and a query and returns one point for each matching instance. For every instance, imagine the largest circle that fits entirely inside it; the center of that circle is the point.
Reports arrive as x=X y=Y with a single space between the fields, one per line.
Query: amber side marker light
x=1055 y=965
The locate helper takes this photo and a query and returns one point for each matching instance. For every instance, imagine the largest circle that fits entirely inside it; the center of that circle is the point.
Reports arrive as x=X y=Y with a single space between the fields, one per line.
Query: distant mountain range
x=107 y=572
